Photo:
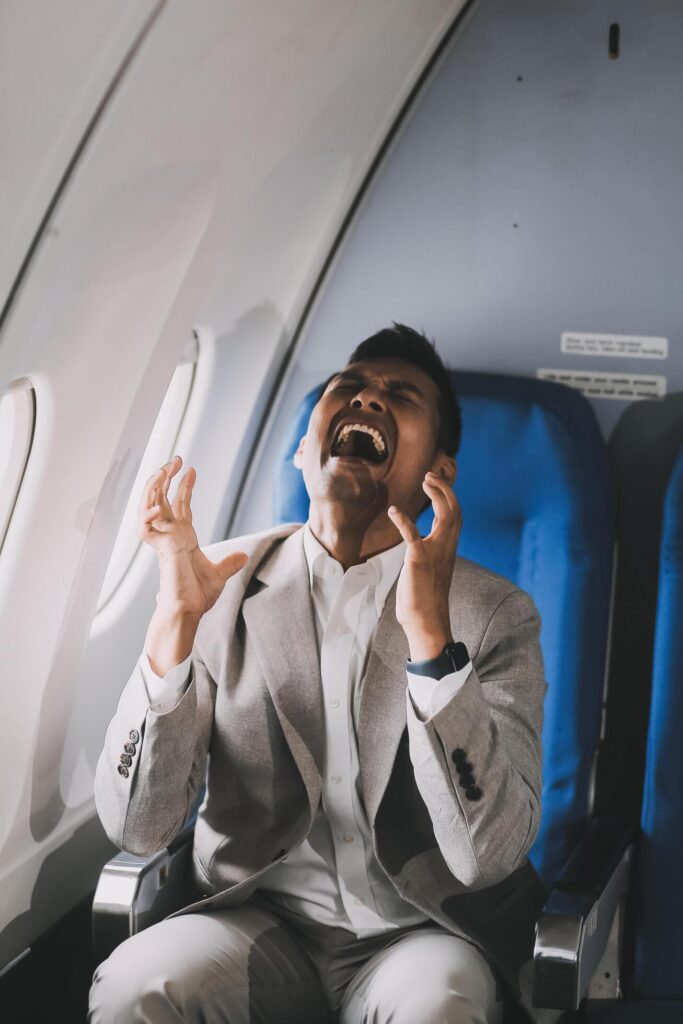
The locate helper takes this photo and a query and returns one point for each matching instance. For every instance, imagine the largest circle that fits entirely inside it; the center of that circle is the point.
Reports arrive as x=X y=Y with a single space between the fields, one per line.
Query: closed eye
x=345 y=384
x=402 y=397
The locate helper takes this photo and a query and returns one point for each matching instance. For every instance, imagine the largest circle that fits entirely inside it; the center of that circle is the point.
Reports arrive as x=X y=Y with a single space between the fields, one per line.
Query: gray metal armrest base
x=135 y=892
x=578 y=919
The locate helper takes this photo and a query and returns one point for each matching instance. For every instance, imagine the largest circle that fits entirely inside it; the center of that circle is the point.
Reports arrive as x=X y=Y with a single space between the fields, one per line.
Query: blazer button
x=126 y=760
x=467 y=781
x=129 y=748
x=464 y=767
x=134 y=736
x=459 y=755
x=123 y=770
x=473 y=793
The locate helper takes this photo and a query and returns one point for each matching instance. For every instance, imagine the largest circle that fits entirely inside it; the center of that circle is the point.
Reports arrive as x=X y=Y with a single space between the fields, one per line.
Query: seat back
x=658 y=969
x=533 y=484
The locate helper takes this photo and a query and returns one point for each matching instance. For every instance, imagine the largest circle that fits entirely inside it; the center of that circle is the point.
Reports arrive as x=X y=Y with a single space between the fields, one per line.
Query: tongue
x=363 y=446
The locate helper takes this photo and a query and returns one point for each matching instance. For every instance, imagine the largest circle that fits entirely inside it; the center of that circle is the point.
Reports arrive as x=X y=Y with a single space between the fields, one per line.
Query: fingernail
x=392 y=508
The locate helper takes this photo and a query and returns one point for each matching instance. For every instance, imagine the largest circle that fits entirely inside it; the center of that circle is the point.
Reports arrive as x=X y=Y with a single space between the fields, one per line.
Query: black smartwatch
x=452 y=658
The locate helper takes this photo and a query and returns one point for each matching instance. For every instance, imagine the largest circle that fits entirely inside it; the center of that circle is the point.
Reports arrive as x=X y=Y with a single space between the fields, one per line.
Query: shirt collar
x=382 y=569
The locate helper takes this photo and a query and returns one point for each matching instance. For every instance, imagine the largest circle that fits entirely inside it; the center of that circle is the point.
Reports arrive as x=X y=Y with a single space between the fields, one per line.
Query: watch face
x=458 y=654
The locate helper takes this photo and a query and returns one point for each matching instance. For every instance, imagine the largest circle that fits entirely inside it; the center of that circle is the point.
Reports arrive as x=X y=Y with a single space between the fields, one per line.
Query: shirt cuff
x=429 y=696
x=164 y=692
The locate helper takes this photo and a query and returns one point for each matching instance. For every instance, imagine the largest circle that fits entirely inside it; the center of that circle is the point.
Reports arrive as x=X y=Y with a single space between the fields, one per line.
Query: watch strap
x=453 y=657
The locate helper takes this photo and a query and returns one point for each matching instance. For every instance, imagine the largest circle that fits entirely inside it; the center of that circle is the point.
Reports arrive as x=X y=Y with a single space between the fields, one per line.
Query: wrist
x=170 y=614
x=425 y=645
x=169 y=640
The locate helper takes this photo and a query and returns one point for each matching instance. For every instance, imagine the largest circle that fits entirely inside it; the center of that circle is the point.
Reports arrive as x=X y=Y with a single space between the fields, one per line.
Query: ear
x=445 y=467
x=299 y=454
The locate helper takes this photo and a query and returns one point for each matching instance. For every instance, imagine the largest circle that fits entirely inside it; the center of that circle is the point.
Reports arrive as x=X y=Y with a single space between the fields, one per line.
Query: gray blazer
x=254 y=706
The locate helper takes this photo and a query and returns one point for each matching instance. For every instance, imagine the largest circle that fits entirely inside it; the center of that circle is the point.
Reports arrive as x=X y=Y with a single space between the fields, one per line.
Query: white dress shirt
x=334 y=876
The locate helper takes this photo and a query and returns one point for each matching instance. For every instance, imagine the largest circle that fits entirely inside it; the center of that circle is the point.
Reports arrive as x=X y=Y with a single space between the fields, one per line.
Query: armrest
x=135 y=892
x=574 y=927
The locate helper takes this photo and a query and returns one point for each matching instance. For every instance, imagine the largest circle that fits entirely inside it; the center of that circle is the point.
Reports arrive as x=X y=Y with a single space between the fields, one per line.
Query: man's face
x=372 y=437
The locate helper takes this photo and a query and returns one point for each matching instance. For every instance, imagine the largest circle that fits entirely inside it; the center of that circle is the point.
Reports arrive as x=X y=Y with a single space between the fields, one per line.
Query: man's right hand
x=190 y=583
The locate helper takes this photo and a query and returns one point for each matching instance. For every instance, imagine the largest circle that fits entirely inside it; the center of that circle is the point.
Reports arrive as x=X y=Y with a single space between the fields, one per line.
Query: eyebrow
x=394 y=383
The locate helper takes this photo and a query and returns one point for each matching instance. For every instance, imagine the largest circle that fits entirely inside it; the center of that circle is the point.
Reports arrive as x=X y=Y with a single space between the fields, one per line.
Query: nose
x=368 y=398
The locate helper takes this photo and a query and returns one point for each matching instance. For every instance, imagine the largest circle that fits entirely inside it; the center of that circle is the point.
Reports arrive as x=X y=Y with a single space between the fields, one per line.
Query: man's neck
x=349 y=539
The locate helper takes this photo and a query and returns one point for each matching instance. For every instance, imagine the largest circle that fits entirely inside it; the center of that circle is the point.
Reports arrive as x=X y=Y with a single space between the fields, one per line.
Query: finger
x=181 y=505
x=405 y=526
x=446 y=526
x=233 y=563
x=149 y=493
x=151 y=514
x=170 y=470
x=157 y=523
x=443 y=513
x=153 y=522
x=444 y=487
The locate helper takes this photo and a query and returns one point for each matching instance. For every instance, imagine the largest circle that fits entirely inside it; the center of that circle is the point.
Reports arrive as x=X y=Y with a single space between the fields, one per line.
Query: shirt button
x=336 y=778
x=334 y=703
x=340 y=629
x=347 y=837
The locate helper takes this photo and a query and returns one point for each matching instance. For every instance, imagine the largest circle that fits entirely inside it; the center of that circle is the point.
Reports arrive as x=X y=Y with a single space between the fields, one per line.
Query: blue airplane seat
x=535 y=491
x=657 y=984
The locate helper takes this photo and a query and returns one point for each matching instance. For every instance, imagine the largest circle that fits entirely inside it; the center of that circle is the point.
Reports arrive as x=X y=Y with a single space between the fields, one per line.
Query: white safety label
x=630 y=346
x=625 y=387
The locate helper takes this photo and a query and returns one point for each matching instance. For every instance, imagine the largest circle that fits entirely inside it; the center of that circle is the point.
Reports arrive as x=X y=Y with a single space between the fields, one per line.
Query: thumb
x=232 y=563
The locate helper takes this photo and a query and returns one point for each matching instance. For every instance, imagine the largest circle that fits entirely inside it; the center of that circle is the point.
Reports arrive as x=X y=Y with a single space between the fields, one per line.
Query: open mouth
x=360 y=441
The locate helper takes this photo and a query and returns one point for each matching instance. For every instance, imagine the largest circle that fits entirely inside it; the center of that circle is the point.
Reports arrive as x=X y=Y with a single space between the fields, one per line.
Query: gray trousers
x=251 y=965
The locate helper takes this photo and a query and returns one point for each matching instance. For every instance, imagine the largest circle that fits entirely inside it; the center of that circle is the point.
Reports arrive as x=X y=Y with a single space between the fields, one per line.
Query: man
x=371 y=706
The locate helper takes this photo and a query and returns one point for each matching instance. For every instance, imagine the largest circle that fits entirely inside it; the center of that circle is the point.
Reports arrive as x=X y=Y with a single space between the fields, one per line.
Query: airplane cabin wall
x=207 y=195
x=533 y=190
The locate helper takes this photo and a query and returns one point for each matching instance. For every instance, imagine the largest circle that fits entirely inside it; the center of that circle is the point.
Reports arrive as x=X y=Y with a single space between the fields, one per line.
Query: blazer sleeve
x=477 y=761
x=143 y=807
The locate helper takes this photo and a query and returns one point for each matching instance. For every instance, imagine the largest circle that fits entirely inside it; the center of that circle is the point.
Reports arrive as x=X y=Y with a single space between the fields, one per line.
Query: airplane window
x=160 y=448
x=17 y=418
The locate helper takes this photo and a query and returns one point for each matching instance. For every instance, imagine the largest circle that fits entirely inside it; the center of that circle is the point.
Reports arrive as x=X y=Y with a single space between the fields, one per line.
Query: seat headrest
x=524 y=441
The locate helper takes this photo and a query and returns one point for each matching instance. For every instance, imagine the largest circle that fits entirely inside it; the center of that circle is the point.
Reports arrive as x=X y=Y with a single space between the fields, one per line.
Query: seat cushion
x=659 y=893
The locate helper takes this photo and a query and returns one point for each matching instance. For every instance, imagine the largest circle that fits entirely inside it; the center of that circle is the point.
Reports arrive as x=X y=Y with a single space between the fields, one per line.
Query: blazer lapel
x=382 y=711
x=281 y=627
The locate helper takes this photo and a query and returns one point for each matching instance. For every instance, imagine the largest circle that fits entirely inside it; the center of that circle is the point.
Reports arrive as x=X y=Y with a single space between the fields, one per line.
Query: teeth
x=365 y=429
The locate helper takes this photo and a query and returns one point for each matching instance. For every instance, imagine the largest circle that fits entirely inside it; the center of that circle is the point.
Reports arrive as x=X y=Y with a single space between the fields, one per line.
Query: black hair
x=401 y=342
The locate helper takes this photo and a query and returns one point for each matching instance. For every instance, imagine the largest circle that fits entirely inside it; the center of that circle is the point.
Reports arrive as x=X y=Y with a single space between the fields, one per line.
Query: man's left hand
x=425 y=580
